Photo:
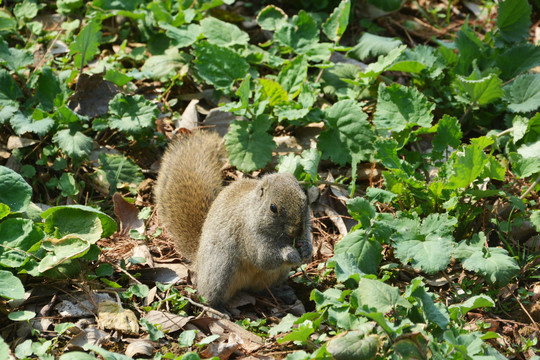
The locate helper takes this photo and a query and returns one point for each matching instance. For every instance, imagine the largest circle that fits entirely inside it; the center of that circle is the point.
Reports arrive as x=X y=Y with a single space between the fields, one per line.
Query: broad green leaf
x=481 y=91
x=468 y=166
x=330 y=297
x=132 y=114
x=5 y=351
x=285 y=325
x=371 y=45
x=13 y=58
x=120 y=170
x=86 y=44
x=523 y=94
x=344 y=319
x=514 y=20
x=386 y=152
x=380 y=195
x=413 y=346
x=299 y=334
x=383 y=62
x=9 y=91
x=493 y=170
x=366 y=252
x=10 y=286
x=4 y=210
x=183 y=36
x=76 y=355
x=419 y=58
x=495 y=266
x=471 y=49
x=26 y=9
x=273 y=92
x=448 y=135
x=361 y=210
x=22 y=124
x=7 y=23
x=345 y=267
x=165 y=67
x=74 y=222
x=107 y=223
x=117 y=77
x=472 y=303
x=348 y=136
x=219 y=66
x=530 y=150
x=68 y=6
x=222 y=33
x=354 y=345
x=435 y=226
x=518 y=59
x=23 y=315
x=433 y=311
x=248 y=144
x=525 y=167
x=310 y=163
x=271 y=18
x=73 y=142
x=293 y=75
x=431 y=256
x=47 y=88
x=14 y=191
x=18 y=237
x=337 y=81
x=301 y=34
x=378 y=295
x=61 y=251
x=337 y=22
x=408 y=66
x=400 y=107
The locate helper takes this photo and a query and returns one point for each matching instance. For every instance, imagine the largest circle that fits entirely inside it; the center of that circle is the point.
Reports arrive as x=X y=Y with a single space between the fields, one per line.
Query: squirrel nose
x=295 y=232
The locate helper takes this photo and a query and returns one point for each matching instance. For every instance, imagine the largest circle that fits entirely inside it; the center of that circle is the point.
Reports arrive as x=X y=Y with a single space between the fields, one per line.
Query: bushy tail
x=188 y=182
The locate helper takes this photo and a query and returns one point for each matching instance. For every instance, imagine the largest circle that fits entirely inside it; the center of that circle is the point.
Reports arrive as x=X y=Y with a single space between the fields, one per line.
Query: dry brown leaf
x=90 y=335
x=140 y=347
x=16 y=142
x=169 y=322
x=92 y=95
x=223 y=350
x=190 y=117
x=112 y=316
x=127 y=214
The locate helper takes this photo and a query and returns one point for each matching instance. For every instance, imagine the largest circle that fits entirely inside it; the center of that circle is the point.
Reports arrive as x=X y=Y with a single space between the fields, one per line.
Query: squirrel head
x=283 y=214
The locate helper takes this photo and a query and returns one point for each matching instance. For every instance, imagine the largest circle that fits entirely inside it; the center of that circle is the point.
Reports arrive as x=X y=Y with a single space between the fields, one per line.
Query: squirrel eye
x=273 y=208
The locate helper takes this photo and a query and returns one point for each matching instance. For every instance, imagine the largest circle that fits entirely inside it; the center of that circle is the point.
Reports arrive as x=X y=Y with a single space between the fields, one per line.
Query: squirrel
x=244 y=236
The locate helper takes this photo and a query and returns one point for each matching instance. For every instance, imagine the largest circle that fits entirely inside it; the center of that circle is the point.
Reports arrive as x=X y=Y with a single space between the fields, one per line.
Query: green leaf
x=4 y=210
x=76 y=355
x=293 y=75
x=68 y=6
x=183 y=36
x=300 y=35
x=400 y=107
x=518 y=59
x=523 y=94
x=472 y=303
x=285 y=325
x=47 y=88
x=26 y=10
x=378 y=295
x=448 y=135
x=9 y=91
x=18 y=237
x=514 y=20
x=74 y=222
x=107 y=223
x=13 y=58
x=431 y=256
x=10 y=286
x=366 y=252
x=14 y=191
x=154 y=333
x=271 y=18
x=219 y=66
x=371 y=45
x=386 y=152
x=132 y=114
x=299 y=334
x=117 y=77
x=495 y=266
x=222 y=33
x=22 y=125
x=73 y=143
x=535 y=219
x=120 y=170
x=383 y=63
x=5 y=351
x=337 y=22
x=354 y=345
x=62 y=251
x=86 y=44
x=361 y=210
x=525 y=167
x=187 y=338
x=273 y=92
x=24 y=315
x=468 y=166
x=348 y=135
x=380 y=195
x=481 y=91
x=434 y=312
x=248 y=144
x=165 y=67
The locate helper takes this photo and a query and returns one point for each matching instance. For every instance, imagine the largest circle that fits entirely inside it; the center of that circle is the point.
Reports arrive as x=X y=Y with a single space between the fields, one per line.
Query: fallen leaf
x=113 y=317
x=169 y=322
x=92 y=96
x=128 y=216
x=140 y=347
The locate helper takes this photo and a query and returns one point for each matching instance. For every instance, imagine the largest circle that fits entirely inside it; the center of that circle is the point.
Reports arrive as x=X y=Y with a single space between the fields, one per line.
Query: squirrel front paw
x=291 y=256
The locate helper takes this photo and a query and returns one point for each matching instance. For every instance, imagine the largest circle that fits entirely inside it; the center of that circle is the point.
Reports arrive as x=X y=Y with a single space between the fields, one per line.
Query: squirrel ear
x=262 y=186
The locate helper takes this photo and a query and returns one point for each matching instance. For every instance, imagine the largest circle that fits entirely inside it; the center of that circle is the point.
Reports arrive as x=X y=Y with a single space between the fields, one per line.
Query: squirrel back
x=188 y=182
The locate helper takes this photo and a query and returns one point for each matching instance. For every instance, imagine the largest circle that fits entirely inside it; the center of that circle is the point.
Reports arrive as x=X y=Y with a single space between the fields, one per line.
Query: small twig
x=526 y=312
x=207 y=308
x=533 y=185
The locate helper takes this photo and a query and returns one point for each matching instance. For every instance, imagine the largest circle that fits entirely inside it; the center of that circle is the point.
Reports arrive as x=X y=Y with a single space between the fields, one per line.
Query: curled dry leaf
x=127 y=214
x=223 y=350
x=190 y=117
x=169 y=322
x=80 y=306
x=89 y=335
x=16 y=142
x=92 y=96
x=140 y=347
x=112 y=316
x=144 y=252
